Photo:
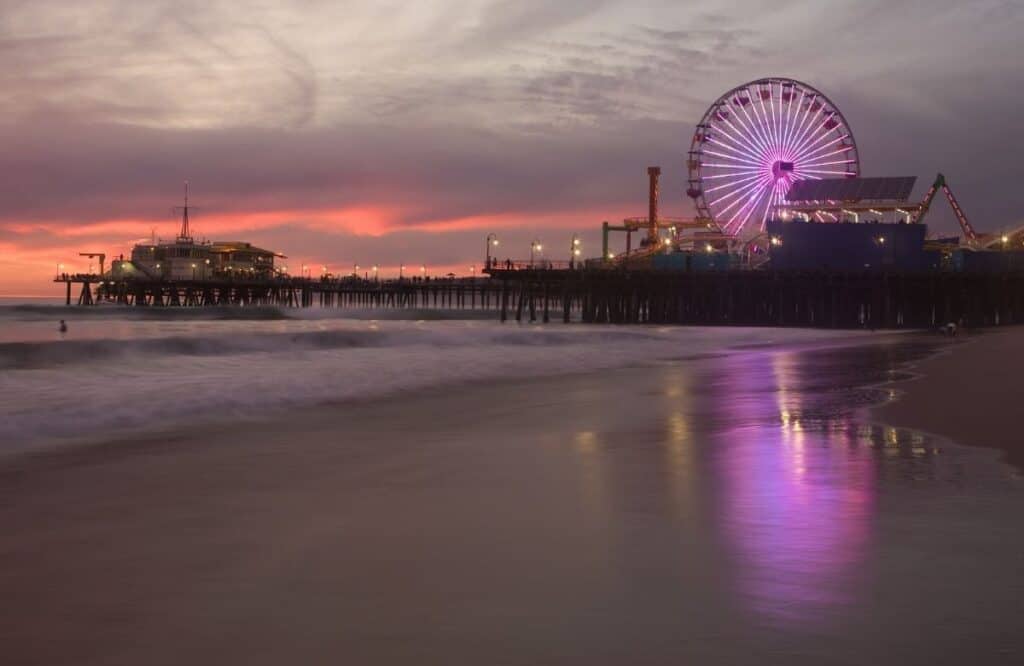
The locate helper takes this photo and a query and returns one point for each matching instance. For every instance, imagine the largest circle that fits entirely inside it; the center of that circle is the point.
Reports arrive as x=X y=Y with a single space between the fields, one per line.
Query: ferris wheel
x=755 y=141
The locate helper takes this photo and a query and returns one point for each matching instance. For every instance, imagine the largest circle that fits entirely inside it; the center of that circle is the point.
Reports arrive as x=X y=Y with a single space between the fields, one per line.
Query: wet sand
x=970 y=394
x=718 y=511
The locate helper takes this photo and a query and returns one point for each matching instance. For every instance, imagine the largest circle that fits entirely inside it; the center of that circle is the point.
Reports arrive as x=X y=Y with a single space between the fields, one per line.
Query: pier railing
x=536 y=292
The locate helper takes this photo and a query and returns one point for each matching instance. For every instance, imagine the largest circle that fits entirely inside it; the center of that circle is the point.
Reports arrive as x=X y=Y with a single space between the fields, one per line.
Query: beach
x=969 y=394
x=737 y=505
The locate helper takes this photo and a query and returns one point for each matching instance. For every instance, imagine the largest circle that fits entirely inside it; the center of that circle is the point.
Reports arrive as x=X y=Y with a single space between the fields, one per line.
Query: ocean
x=270 y=487
x=118 y=371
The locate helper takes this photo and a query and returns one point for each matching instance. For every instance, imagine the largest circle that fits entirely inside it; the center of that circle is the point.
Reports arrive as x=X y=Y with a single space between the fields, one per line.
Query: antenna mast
x=185 y=236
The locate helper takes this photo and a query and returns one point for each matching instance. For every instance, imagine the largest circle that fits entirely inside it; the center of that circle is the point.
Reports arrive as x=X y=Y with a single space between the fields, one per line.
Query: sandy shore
x=725 y=510
x=970 y=394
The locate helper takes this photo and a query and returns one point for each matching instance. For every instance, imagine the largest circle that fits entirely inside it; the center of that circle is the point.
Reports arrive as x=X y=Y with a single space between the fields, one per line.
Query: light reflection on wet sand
x=714 y=511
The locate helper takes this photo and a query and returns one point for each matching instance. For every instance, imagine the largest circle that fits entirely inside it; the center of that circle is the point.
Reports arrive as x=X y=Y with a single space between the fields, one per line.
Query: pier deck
x=748 y=297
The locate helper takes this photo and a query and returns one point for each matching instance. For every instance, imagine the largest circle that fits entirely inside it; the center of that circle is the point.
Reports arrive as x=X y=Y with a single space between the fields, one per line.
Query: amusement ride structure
x=778 y=148
x=758 y=139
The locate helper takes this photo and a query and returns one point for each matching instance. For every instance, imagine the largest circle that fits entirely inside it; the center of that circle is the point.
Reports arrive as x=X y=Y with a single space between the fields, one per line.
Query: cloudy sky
x=386 y=132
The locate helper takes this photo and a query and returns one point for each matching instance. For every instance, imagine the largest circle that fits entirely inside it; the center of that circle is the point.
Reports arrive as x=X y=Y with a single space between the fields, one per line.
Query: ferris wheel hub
x=781 y=169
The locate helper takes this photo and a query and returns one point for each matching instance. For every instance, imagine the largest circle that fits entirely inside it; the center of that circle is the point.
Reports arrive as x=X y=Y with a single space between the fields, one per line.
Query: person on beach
x=63 y=327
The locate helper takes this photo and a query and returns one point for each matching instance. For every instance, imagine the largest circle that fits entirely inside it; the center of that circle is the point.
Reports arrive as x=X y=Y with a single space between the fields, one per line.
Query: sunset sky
x=386 y=132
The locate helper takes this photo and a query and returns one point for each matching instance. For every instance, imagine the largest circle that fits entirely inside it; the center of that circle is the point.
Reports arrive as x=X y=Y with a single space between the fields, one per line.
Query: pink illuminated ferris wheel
x=755 y=141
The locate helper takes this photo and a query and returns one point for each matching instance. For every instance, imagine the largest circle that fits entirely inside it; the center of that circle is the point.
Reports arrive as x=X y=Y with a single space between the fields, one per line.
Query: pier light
x=492 y=241
x=881 y=240
x=535 y=247
x=1004 y=238
x=611 y=255
x=667 y=241
x=776 y=240
x=707 y=247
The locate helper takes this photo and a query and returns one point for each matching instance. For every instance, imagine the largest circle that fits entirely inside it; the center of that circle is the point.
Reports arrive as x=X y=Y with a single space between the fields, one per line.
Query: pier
x=520 y=292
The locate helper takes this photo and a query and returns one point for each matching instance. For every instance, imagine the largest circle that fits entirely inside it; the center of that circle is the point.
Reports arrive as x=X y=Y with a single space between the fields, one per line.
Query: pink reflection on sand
x=796 y=505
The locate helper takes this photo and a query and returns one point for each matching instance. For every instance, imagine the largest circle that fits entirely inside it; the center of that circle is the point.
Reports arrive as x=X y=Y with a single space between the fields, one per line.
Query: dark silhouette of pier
x=523 y=292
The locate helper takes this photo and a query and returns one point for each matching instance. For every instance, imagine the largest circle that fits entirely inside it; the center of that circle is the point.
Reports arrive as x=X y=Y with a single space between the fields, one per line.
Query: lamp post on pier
x=492 y=240
x=574 y=251
x=535 y=247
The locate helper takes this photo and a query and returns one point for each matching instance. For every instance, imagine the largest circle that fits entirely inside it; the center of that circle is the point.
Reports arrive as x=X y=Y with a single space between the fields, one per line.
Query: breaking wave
x=119 y=375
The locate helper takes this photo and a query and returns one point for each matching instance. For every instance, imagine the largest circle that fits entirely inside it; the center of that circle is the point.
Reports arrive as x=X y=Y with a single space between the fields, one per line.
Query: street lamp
x=375 y=271
x=423 y=270
x=574 y=251
x=535 y=246
x=355 y=270
x=492 y=240
x=472 y=271
x=401 y=271
x=193 y=271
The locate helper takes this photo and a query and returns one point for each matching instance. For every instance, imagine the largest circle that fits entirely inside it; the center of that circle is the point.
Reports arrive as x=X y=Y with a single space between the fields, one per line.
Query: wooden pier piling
x=750 y=298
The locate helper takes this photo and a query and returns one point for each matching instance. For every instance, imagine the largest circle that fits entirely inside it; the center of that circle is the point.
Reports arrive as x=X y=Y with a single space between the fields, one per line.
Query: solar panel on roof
x=852 y=189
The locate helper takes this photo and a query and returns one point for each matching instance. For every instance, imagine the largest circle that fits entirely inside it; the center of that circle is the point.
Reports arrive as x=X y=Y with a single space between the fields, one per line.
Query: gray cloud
x=477 y=107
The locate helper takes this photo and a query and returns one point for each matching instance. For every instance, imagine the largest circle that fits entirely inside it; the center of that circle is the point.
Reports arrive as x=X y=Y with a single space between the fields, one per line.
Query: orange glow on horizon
x=28 y=269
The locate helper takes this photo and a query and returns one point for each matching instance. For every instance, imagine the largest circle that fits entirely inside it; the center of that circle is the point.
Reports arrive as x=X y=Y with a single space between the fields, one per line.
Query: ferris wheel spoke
x=776 y=127
x=832 y=163
x=736 y=168
x=821 y=131
x=744 y=179
x=744 y=154
x=814 y=156
x=754 y=127
x=734 y=158
x=736 y=195
x=810 y=118
x=804 y=120
x=773 y=122
x=838 y=173
x=787 y=139
x=772 y=196
x=732 y=174
x=750 y=131
x=749 y=139
x=814 y=137
x=750 y=207
x=758 y=126
x=747 y=195
x=741 y=145
x=813 y=146
x=764 y=112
